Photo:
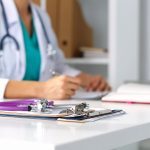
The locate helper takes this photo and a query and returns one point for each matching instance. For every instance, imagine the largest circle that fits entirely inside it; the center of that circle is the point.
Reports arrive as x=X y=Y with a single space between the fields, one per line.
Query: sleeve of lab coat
x=3 y=84
x=60 y=65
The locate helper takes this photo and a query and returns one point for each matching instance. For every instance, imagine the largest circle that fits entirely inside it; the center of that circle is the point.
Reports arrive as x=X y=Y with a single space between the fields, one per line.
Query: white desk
x=100 y=135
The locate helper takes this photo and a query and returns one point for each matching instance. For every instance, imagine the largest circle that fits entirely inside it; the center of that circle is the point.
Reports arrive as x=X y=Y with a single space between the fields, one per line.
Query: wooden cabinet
x=70 y=27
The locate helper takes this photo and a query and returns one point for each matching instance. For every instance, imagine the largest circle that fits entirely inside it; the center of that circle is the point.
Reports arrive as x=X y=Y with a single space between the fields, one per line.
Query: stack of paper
x=130 y=93
x=93 y=52
x=88 y=95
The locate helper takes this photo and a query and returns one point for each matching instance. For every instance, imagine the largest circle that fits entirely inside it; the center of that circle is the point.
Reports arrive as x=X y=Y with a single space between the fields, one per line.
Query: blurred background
x=108 y=37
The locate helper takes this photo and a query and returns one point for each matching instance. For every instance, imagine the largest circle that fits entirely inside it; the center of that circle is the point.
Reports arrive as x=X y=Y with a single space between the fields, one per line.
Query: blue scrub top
x=32 y=50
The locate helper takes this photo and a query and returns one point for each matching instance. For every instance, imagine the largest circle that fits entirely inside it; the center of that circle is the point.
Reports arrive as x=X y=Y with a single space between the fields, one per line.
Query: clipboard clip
x=77 y=109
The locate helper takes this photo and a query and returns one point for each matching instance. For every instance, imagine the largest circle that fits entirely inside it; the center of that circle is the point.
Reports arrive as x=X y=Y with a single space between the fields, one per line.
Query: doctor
x=27 y=44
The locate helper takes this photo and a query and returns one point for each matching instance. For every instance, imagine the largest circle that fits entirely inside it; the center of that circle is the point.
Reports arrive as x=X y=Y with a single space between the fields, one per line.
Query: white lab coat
x=13 y=63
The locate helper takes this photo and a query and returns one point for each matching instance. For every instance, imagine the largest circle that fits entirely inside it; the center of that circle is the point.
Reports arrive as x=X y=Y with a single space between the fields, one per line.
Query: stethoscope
x=36 y=105
x=50 y=50
x=45 y=106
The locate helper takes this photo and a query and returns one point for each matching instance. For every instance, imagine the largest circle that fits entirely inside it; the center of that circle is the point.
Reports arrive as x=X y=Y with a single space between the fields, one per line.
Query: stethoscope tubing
x=9 y=36
x=43 y=27
x=19 y=105
x=10 y=108
x=17 y=102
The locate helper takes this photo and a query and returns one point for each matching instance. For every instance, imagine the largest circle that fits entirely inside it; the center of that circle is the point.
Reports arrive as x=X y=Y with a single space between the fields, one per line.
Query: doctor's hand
x=57 y=88
x=60 y=87
x=93 y=83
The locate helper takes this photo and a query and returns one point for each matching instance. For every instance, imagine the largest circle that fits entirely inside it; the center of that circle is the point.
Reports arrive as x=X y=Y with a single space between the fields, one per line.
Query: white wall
x=123 y=41
x=96 y=14
x=145 y=41
x=145 y=51
x=99 y=24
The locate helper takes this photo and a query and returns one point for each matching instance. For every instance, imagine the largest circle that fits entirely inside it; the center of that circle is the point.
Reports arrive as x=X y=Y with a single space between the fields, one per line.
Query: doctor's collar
x=12 y=12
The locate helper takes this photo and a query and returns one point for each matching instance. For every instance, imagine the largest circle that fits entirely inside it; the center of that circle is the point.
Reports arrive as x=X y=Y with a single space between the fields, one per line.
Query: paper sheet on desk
x=88 y=95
